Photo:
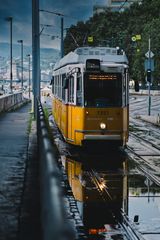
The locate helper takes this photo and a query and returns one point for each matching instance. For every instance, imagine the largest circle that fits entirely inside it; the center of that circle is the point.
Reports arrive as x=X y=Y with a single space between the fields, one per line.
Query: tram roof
x=80 y=55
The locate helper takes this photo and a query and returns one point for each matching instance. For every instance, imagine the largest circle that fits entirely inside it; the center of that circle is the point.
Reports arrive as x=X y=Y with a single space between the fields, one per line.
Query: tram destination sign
x=103 y=76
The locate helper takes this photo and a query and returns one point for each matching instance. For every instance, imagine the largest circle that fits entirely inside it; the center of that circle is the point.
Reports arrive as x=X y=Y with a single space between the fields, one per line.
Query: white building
x=14 y=71
x=114 y=5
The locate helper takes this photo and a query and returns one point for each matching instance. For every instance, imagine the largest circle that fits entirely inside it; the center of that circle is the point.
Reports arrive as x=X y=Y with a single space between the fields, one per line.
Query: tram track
x=146 y=129
x=143 y=165
x=146 y=141
x=150 y=170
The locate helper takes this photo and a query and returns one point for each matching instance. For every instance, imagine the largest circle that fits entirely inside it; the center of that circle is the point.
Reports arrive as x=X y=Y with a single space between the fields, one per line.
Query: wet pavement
x=16 y=174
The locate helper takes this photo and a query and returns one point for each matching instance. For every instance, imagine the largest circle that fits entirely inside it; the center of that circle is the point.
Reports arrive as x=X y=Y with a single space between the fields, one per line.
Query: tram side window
x=60 y=87
x=63 y=86
x=55 y=86
x=71 y=89
x=127 y=86
x=124 y=90
x=79 y=89
x=52 y=83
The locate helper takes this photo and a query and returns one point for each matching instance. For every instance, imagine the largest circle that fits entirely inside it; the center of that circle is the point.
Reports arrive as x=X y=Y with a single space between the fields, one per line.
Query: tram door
x=71 y=101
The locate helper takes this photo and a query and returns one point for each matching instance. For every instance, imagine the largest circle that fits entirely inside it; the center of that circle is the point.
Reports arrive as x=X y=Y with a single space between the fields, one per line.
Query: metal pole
x=29 y=75
x=62 y=44
x=22 y=64
x=35 y=54
x=10 y=19
x=11 y=74
x=149 y=84
x=21 y=42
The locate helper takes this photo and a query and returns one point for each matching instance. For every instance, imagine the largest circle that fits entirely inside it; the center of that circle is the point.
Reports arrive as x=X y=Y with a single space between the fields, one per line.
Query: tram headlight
x=102 y=125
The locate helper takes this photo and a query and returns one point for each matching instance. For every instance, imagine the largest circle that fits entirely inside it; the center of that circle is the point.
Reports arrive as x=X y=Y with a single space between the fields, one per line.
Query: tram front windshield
x=103 y=90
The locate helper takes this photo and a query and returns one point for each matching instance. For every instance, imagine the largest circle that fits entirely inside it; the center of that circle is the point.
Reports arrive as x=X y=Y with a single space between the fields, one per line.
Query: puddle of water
x=98 y=189
x=103 y=185
x=144 y=201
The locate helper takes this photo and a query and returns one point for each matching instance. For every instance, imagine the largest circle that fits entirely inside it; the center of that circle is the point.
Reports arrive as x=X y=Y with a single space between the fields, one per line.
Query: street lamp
x=62 y=43
x=10 y=19
x=21 y=42
x=29 y=75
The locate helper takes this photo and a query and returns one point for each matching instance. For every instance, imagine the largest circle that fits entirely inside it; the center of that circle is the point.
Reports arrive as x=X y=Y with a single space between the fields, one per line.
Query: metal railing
x=55 y=225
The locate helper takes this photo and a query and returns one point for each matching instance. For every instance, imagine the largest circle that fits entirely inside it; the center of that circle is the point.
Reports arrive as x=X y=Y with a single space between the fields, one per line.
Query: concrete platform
x=19 y=188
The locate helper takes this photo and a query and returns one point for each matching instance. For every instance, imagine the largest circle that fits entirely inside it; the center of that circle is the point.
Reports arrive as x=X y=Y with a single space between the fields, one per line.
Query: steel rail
x=150 y=176
x=146 y=141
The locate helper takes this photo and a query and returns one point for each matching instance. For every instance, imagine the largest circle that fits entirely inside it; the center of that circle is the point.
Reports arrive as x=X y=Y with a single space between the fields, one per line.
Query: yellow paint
x=73 y=120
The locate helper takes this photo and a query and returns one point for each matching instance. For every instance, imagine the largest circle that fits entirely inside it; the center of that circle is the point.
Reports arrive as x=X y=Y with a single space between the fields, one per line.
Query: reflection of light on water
x=102 y=185
x=95 y=231
x=108 y=231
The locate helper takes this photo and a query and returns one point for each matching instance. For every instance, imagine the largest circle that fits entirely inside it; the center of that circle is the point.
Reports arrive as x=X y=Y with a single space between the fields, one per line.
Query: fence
x=55 y=225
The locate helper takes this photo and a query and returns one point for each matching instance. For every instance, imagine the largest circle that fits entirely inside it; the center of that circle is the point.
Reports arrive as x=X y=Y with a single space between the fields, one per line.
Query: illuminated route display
x=103 y=76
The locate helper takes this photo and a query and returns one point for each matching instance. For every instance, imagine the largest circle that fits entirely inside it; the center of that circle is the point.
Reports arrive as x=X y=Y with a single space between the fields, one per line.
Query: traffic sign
x=133 y=38
x=149 y=54
x=138 y=37
x=149 y=64
x=149 y=75
x=148 y=182
x=90 y=39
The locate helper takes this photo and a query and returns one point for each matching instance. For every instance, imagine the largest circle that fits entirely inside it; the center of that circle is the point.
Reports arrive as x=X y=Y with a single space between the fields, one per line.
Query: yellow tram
x=90 y=96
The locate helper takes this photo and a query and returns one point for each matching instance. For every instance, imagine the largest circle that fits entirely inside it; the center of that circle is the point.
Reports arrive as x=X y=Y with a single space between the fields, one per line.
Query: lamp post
x=36 y=76
x=149 y=80
x=21 y=42
x=62 y=43
x=29 y=75
x=10 y=19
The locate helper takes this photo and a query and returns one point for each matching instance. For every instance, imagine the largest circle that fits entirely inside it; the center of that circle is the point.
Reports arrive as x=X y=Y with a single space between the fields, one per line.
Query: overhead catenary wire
x=56 y=13
x=123 y=4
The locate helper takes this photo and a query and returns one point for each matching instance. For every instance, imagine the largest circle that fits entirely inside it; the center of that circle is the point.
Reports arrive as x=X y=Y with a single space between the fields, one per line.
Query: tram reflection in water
x=100 y=195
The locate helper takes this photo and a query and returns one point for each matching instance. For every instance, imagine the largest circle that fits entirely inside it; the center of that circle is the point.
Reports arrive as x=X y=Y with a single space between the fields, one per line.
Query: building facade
x=114 y=6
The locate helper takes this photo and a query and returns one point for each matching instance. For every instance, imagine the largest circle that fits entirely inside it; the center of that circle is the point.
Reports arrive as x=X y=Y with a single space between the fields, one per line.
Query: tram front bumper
x=102 y=137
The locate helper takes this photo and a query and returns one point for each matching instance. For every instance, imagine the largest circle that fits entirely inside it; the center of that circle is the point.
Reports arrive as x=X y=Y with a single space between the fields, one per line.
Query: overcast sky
x=20 y=10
